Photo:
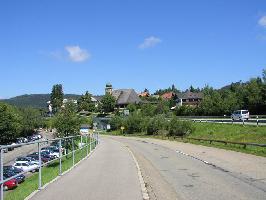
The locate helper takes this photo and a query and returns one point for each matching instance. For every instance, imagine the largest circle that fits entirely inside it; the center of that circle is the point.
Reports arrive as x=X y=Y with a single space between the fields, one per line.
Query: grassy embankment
x=226 y=132
x=49 y=173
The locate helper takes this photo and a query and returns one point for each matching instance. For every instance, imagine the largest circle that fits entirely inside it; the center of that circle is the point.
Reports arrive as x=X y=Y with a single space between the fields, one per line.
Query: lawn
x=48 y=174
x=229 y=132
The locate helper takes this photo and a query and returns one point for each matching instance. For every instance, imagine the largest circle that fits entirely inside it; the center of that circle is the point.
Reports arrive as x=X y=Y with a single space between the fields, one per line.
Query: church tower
x=108 y=88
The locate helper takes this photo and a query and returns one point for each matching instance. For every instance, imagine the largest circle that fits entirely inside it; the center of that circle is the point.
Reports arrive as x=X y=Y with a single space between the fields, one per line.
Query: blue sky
x=132 y=44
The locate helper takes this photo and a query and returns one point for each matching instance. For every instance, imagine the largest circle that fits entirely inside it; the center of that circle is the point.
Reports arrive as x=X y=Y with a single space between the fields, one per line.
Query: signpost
x=122 y=129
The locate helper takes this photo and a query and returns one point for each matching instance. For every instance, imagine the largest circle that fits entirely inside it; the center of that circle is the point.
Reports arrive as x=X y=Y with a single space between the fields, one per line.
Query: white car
x=26 y=167
x=26 y=160
x=240 y=115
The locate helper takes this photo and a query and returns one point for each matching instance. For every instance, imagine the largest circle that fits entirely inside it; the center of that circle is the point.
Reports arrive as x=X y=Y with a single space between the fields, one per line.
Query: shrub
x=134 y=123
x=156 y=124
x=116 y=122
x=179 y=128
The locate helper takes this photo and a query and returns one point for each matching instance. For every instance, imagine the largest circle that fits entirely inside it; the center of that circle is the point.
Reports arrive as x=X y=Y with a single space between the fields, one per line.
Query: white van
x=240 y=115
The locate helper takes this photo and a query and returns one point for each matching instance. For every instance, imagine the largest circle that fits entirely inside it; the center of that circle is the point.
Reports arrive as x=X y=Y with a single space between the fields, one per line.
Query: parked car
x=36 y=157
x=26 y=166
x=240 y=115
x=12 y=168
x=51 y=150
x=11 y=184
x=20 y=178
x=21 y=140
x=26 y=160
x=5 y=150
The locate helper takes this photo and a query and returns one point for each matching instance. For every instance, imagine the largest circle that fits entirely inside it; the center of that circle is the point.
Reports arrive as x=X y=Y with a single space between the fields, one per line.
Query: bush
x=116 y=122
x=156 y=124
x=179 y=128
x=134 y=123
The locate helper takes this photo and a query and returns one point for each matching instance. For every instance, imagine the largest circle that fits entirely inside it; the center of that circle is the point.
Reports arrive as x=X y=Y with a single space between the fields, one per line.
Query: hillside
x=34 y=100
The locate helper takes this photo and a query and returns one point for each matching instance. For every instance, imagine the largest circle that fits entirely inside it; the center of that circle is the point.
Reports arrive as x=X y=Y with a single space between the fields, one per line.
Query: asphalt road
x=109 y=173
x=185 y=171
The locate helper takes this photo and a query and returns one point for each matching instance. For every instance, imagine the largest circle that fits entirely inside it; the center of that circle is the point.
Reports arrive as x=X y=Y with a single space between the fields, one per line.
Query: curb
x=144 y=191
x=59 y=176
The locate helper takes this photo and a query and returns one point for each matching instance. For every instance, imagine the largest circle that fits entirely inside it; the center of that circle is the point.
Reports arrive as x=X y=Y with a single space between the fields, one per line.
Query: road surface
x=109 y=173
x=175 y=170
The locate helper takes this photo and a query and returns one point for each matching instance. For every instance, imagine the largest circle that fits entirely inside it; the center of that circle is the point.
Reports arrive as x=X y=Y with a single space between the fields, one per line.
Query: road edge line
x=59 y=176
x=144 y=191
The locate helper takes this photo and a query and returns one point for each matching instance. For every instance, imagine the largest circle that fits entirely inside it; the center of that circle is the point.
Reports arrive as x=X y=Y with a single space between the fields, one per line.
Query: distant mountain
x=34 y=100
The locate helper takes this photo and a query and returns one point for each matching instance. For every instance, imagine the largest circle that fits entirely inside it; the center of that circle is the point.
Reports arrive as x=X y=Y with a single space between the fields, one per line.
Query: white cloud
x=76 y=54
x=262 y=21
x=150 y=42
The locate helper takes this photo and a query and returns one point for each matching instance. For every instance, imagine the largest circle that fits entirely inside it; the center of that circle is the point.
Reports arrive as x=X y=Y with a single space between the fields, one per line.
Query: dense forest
x=34 y=100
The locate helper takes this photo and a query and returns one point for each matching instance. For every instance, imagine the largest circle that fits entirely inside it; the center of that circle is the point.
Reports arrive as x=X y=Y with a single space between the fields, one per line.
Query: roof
x=190 y=95
x=125 y=96
x=144 y=94
x=168 y=95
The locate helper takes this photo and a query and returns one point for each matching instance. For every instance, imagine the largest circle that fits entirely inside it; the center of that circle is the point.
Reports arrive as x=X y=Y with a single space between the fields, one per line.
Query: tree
x=264 y=76
x=31 y=119
x=56 y=97
x=85 y=103
x=10 y=123
x=108 y=103
x=66 y=121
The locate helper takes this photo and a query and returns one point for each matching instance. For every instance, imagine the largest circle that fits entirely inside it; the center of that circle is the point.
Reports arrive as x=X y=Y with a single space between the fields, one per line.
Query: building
x=189 y=98
x=123 y=96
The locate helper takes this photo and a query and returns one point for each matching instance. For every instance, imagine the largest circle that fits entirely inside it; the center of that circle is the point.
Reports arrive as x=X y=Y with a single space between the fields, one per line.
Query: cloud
x=150 y=42
x=76 y=54
x=262 y=21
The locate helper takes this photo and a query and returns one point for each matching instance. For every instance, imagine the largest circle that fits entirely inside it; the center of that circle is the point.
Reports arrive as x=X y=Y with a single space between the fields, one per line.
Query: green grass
x=229 y=132
x=48 y=173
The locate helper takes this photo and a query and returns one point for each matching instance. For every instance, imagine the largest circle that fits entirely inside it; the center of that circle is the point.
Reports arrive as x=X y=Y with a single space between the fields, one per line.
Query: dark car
x=20 y=178
x=12 y=168
x=36 y=157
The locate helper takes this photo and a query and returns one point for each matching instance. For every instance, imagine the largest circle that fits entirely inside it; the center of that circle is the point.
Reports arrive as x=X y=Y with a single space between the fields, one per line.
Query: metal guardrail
x=93 y=140
x=228 y=142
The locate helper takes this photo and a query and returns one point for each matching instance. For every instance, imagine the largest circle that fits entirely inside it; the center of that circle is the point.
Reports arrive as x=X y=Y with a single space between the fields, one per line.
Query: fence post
x=90 y=143
x=81 y=141
x=87 y=148
x=73 y=153
x=1 y=176
x=257 y=120
x=60 y=157
x=40 y=167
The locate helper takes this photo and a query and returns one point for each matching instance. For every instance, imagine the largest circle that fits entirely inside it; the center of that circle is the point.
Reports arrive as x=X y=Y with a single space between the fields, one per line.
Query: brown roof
x=144 y=94
x=168 y=95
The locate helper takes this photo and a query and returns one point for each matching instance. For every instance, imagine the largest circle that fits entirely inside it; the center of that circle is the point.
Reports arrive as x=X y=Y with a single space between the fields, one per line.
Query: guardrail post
x=87 y=148
x=60 y=157
x=1 y=176
x=40 y=167
x=73 y=153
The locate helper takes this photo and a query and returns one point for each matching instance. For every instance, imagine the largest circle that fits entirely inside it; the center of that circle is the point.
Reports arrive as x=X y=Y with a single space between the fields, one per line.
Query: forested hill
x=34 y=100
